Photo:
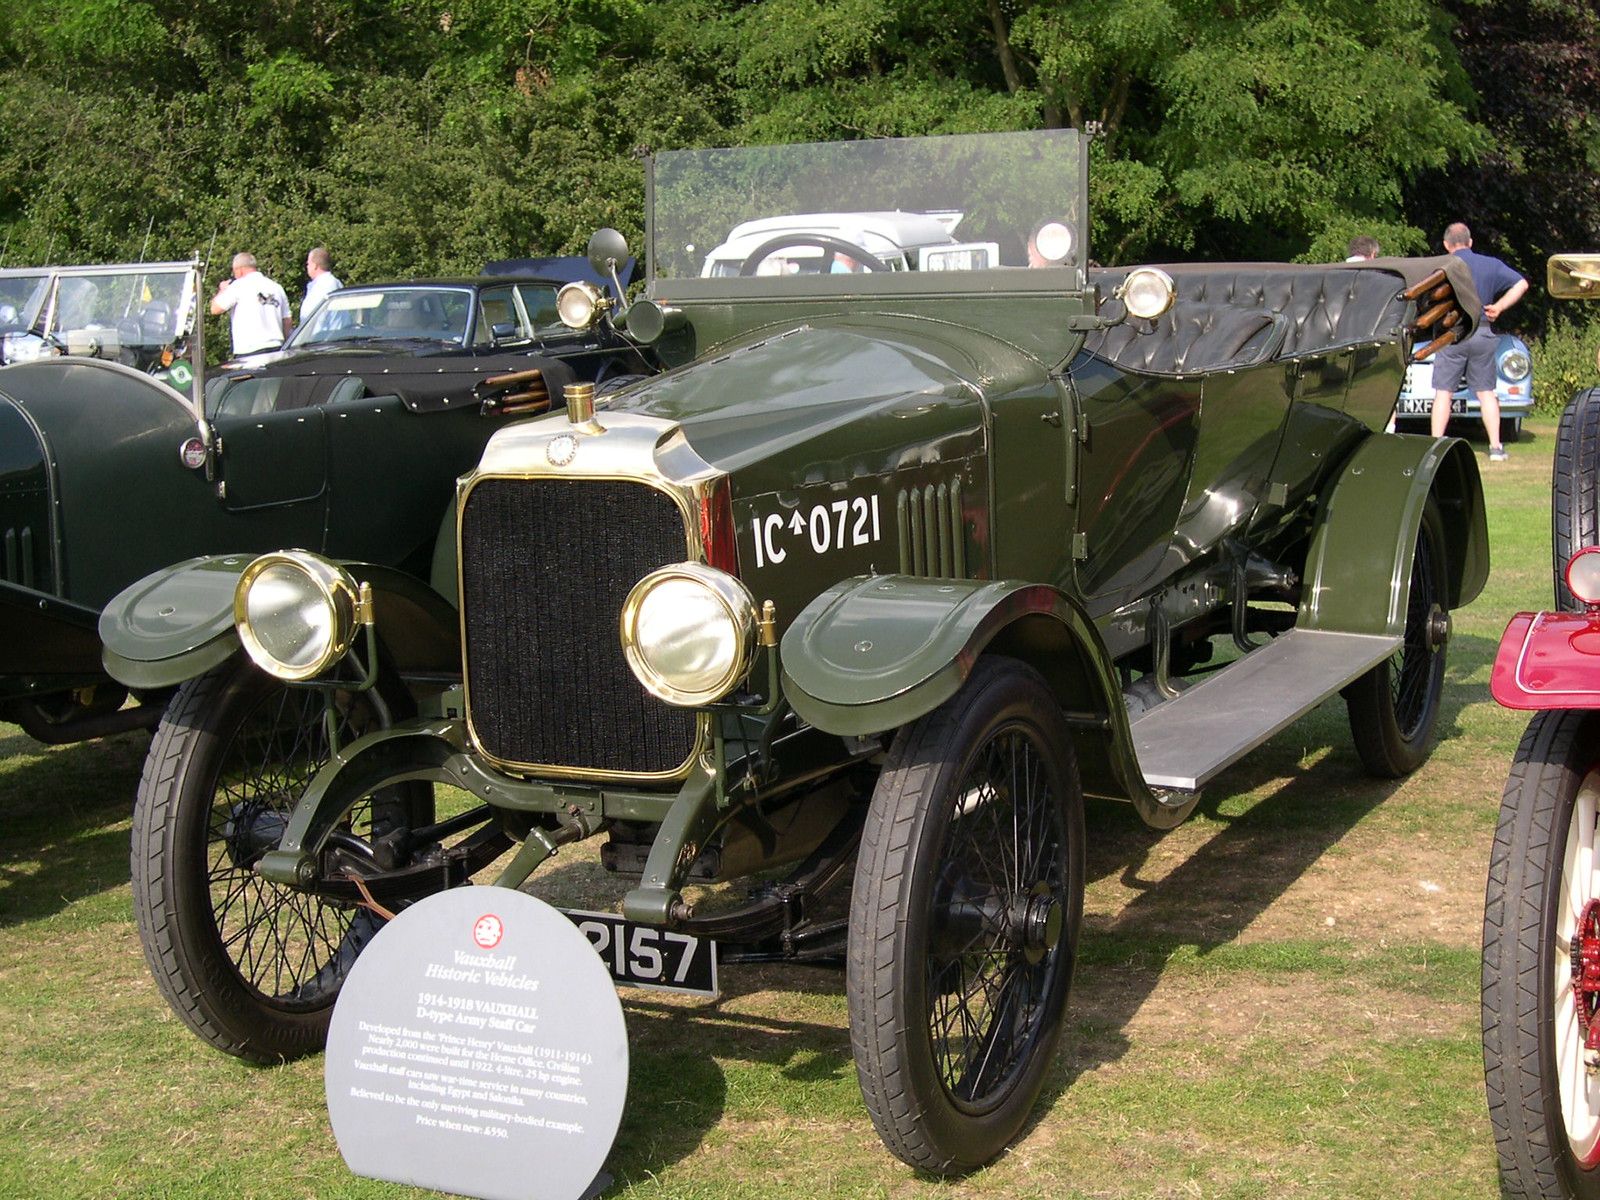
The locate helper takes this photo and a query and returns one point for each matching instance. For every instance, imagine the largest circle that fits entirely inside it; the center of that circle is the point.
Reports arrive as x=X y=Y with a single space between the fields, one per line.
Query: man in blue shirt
x=1498 y=287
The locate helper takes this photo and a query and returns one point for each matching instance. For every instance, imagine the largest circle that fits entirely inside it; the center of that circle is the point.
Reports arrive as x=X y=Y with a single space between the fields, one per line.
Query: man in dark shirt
x=1498 y=287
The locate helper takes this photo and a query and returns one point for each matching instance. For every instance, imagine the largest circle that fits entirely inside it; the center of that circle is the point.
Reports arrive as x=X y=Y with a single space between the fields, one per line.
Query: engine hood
x=426 y=382
x=330 y=356
x=796 y=403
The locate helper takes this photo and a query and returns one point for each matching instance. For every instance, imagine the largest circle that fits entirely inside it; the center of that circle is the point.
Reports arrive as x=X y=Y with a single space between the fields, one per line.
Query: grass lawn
x=1279 y=998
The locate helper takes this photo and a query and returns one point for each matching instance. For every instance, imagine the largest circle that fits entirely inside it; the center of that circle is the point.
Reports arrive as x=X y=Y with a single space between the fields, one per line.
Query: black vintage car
x=348 y=440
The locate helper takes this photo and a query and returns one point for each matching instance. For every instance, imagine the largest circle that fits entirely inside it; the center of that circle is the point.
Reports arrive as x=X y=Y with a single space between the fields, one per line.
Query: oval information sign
x=478 y=1047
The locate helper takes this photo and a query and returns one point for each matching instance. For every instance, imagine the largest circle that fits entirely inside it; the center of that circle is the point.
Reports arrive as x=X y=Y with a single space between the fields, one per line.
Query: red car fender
x=1548 y=660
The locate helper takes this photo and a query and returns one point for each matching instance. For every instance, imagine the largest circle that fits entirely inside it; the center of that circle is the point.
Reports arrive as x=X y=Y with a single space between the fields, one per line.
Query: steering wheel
x=832 y=247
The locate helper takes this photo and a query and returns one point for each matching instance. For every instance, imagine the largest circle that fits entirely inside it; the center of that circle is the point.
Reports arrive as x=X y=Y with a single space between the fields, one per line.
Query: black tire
x=1395 y=706
x=1575 y=489
x=251 y=966
x=1533 y=1038
x=931 y=883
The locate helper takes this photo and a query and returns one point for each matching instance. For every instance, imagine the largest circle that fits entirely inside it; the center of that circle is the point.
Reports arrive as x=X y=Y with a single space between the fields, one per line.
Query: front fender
x=177 y=623
x=1548 y=660
x=874 y=653
x=1366 y=533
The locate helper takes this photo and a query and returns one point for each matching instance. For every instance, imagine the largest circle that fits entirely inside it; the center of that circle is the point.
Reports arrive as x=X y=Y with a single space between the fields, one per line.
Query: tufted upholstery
x=1191 y=337
x=1221 y=311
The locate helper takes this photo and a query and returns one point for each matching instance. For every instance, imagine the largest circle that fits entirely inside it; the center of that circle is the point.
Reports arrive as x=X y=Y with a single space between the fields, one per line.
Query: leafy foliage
x=426 y=136
x=1535 y=189
x=1566 y=358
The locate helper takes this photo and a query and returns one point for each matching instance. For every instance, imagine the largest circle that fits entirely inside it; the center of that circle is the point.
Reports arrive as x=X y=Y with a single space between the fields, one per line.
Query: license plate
x=1421 y=406
x=647 y=957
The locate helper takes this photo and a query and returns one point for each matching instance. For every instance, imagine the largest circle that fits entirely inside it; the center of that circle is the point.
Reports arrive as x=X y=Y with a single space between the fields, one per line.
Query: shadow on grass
x=1215 y=893
x=678 y=1089
x=64 y=815
x=680 y=1093
x=1469 y=656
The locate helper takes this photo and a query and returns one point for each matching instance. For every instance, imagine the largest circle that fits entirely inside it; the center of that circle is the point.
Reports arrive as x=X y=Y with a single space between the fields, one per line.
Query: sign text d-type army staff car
x=893 y=569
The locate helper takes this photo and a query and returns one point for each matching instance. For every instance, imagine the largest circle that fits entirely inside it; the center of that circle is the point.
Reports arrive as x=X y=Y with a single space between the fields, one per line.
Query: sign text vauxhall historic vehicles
x=891 y=570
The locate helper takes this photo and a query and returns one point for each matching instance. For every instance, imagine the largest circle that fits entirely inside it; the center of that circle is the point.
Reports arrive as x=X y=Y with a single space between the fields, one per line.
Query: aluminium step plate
x=1184 y=742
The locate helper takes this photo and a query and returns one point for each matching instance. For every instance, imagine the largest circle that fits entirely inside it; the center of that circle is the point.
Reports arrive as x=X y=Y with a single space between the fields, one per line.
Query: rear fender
x=1548 y=660
x=177 y=623
x=874 y=653
x=1358 y=573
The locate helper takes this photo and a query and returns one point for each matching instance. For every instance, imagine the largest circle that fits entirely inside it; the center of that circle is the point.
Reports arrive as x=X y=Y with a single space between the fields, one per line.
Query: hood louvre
x=933 y=541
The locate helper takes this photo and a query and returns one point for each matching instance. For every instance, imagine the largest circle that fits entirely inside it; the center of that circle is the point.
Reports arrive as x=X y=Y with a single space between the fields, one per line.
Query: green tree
x=419 y=136
x=1531 y=76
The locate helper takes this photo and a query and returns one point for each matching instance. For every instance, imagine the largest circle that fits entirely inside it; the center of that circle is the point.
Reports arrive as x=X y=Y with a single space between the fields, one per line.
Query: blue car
x=1513 y=383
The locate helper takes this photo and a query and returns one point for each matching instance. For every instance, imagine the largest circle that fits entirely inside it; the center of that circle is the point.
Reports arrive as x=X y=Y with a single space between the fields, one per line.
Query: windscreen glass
x=140 y=307
x=22 y=296
x=366 y=315
x=974 y=204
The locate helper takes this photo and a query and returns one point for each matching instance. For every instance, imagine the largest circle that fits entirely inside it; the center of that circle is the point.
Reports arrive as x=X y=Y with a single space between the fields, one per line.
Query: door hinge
x=1080 y=546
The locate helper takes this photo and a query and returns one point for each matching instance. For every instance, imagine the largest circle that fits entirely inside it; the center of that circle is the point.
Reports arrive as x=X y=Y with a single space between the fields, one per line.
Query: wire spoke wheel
x=1419 y=660
x=289 y=946
x=964 y=920
x=1395 y=706
x=1541 y=964
x=1003 y=866
x=250 y=965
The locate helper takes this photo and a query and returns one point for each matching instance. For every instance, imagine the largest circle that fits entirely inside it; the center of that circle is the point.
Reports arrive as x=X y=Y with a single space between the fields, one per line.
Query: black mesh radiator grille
x=545 y=567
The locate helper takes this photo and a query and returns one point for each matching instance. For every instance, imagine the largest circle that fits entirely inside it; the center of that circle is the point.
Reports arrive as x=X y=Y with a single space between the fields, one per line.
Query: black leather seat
x=1221 y=316
x=1190 y=338
x=155 y=323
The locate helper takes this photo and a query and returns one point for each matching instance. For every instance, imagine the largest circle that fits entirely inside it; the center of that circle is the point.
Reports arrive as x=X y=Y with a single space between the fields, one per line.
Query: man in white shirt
x=260 y=309
x=319 y=270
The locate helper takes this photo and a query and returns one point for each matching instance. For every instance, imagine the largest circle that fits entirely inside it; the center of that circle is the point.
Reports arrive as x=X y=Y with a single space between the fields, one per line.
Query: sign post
x=478 y=1047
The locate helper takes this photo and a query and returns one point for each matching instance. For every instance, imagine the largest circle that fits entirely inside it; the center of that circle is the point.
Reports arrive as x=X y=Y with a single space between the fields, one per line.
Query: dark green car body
x=928 y=481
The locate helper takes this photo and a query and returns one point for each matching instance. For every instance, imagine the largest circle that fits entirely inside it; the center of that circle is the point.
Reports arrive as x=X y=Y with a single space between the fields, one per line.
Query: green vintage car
x=864 y=596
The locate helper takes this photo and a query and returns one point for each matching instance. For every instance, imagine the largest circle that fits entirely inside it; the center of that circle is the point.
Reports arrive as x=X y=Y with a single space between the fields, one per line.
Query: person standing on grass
x=260 y=310
x=1498 y=287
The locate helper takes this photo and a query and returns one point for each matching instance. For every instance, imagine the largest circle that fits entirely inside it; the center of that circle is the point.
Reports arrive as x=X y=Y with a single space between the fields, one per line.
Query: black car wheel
x=1541 y=964
x=251 y=966
x=1395 y=706
x=964 y=920
x=1575 y=489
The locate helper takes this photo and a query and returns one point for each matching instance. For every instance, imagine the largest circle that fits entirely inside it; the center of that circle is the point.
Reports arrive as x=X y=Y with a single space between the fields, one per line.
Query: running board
x=1182 y=743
